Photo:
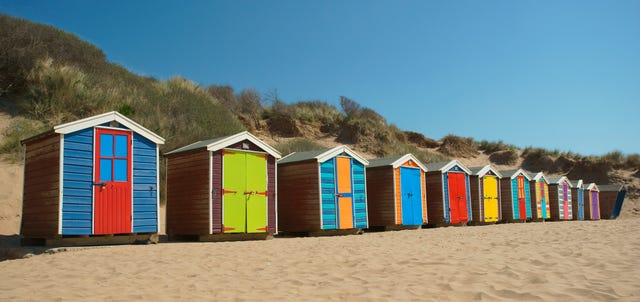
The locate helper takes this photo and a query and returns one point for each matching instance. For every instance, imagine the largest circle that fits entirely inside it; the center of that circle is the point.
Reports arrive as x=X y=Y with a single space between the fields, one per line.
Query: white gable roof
x=105 y=118
x=236 y=138
x=592 y=187
x=484 y=170
x=339 y=150
x=539 y=176
x=446 y=166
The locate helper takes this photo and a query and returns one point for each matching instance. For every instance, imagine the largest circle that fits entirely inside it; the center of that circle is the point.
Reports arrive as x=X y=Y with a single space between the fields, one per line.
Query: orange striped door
x=345 y=198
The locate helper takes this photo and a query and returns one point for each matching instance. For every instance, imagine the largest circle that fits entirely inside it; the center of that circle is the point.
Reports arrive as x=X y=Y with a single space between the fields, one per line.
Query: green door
x=245 y=192
x=257 y=200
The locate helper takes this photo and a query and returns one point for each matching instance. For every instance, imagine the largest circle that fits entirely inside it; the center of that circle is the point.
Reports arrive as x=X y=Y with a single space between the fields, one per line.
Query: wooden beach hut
x=448 y=193
x=322 y=192
x=560 y=198
x=591 y=202
x=515 y=195
x=577 y=200
x=611 y=200
x=94 y=176
x=485 y=194
x=539 y=187
x=222 y=189
x=396 y=192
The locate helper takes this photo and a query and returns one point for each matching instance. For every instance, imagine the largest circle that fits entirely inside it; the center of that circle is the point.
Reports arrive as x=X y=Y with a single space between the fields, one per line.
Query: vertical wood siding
x=145 y=190
x=328 y=185
x=41 y=199
x=188 y=193
x=381 y=198
x=77 y=192
x=398 y=195
x=435 y=198
x=577 y=199
x=271 y=195
x=359 y=194
x=423 y=185
x=554 y=202
x=506 y=199
x=298 y=197
x=476 y=197
x=216 y=192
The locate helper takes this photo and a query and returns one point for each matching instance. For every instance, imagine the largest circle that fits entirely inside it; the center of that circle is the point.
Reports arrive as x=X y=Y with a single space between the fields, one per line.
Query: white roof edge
x=341 y=149
x=561 y=178
x=579 y=184
x=238 y=137
x=453 y=163
x=488 y=168
x=591 y=186
x=539 y=175
x=407 y=157
x=108 y=117
x=524 y=173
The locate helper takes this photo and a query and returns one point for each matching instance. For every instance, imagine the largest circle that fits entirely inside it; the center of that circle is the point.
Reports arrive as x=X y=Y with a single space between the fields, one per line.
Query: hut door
x=565 y=201
x=581 y=213
x=457 y=197
x=522 y=208
x=245 y=192
x=543 y=202
x=112 y=182
x=344 y=193
x=411 y=196
x=595 y=205
x=490 y=189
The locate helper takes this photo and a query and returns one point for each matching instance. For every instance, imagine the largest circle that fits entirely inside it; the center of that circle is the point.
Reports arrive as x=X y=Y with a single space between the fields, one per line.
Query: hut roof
x=513 y=173
x=483 y=170
x=322 y=155
x=558 y=180
x=446 y=165
x=612 y=188
x=222 y=142
x=576 y=183
x=538 y=176
x=592 y=187
x=395 y=161
x=99 y=120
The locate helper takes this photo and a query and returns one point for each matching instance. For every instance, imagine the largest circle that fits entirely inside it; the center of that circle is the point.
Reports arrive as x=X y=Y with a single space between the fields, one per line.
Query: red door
x=112 y=182
x=521 y=199
x=457 y=197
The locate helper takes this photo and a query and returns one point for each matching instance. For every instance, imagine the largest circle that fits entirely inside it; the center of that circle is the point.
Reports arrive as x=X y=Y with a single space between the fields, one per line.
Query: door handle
x=249 y=192
x=102 y=184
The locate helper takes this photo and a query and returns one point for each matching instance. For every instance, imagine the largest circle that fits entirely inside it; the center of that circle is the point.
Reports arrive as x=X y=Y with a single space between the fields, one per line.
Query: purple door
x=595 y=205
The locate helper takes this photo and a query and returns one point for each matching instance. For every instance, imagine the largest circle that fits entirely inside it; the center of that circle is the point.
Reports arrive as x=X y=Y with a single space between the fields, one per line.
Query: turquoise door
x=411 y=196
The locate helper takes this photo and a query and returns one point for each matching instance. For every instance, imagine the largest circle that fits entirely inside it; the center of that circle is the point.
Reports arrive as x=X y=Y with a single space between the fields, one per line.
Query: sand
x=551 y=261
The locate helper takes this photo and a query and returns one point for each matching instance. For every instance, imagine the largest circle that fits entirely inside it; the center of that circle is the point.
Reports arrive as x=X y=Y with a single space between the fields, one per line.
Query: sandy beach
x=551 y=261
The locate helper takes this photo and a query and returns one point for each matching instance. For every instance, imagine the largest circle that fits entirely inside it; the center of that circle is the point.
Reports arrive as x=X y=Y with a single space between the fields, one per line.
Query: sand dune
x=552 y=261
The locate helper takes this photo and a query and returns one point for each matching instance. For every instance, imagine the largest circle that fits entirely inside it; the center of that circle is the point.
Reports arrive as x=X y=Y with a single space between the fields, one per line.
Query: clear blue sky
x=553 y=74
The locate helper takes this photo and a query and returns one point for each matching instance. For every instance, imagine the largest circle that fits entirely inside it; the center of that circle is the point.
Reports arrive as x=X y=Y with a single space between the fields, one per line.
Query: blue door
x=580 y=204
x=411 y=196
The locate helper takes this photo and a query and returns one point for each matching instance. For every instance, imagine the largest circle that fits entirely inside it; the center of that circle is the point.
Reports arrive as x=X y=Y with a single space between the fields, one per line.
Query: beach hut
x=577 y=200
x=448 y=193
x=611 y=200
x=515 y=195
x=94 y=176
x=322 y=192
x=539 y=186
x=396 y=192
x=560 y=198
x=485 y=194
x=222 y=189
x=591 y=201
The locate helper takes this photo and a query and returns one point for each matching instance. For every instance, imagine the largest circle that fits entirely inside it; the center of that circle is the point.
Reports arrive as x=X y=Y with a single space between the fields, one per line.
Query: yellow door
x=490 y=199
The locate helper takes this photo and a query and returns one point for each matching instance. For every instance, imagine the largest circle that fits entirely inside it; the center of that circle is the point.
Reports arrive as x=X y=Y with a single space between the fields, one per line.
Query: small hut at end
x=448 y=193
x=322 y=192
x=515 y=195
x=611 y=200
x=591 y=202
x=560 y=198
x=485 y=194
x=222 y=189
x=396 y=192
x=539 y=186
x=577 y=200
x=94 y=176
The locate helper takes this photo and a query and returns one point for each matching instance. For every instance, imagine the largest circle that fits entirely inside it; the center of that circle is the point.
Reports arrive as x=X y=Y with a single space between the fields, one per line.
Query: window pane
x=105 y=169
x=106 y=145
x=121 y=145
x=120 y=170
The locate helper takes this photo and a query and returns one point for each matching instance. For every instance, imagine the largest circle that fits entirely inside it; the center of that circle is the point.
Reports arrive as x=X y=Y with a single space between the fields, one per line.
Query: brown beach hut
x=222 y=188
x=577 y=200
x=611 y=200
x=591 y=202
x=560 y=198
x=90 y=177
x=515 y=195
x=485 y=194
x=396 y=192
x=539 y=187
x=322 y=192
x=448 y=193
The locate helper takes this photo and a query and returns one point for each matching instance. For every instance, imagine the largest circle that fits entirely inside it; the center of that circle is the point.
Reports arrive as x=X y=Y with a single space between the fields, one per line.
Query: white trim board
x=104 y=118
